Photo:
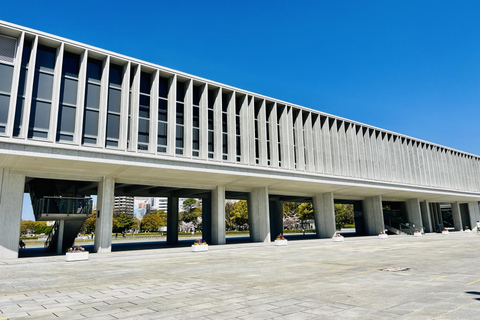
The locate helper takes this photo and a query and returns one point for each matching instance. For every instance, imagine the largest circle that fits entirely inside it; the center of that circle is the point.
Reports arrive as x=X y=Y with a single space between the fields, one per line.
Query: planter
x=383 y=236
x=468 y=230
x=199 y=247
x=444 y=232
x=417 y=234
x=338 y=239
x=76 y=256
x=281 y=242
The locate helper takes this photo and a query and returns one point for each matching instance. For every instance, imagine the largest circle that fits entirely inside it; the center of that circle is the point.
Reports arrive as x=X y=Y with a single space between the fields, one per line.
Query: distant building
x=124 y=205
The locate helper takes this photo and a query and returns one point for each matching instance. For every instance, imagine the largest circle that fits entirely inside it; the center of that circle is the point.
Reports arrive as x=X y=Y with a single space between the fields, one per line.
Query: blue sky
x=411 y=67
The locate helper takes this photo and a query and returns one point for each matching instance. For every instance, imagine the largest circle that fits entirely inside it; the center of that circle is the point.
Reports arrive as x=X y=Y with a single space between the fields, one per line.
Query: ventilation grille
x=7 y=49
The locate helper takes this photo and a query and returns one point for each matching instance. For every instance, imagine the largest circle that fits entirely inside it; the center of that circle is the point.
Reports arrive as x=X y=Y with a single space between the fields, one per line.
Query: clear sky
x=411 y=67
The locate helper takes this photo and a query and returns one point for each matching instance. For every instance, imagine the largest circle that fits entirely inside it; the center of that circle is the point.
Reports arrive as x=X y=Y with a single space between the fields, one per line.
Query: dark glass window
x=180 y=116
x=163 y=87
x=163 y=110
x=180 y=91
x=71 y=64
x=196 y=95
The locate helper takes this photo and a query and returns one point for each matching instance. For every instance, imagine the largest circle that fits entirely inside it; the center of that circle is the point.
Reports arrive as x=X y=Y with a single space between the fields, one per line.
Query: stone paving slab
x=308 y=279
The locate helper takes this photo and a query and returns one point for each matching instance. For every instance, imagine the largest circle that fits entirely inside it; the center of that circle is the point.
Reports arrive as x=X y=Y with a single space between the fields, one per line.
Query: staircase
x=59 y=201
x=399 y=228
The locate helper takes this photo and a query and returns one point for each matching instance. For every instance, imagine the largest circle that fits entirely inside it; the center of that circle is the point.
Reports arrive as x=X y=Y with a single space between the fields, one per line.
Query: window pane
x=94 y=70
x=162 y=134
x=196 y=117
x=46 y=58
x=162 y=110
x=115 y=76
x=145 y=83
x=210 y=141
x=196 y=95
x=179 y=113
x=6 y=73
x=179 y=137
x=43 y=87
x=91 y=122
x=4 y=101
x=69 y=91
x=163 y=87
x=67 y=119
x=180 y=91
x=143 y=130
x=114 y=100
x=113 y=126
x=23 y=81
x=40 y=115
x=70 y=64
x=196 y=139
x=93 y=95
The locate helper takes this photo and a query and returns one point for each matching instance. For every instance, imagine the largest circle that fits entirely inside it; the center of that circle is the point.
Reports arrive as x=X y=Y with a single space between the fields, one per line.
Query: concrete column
x=12 y=186
x=373 y=213
x=258 y=216
x=474 y=213
x=218 y=215
x=414 y=213
x=324 y=214
x=457 y=218
x=276 y=218
x=426 y=218
x=61 y=231
x=172 y=220
x=103 y=225
x=207 y=219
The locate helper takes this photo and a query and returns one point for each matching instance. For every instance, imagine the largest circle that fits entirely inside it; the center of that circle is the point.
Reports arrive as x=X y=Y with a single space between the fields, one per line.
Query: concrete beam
x=172 y=220
x=103 y=224
x=373 y=213
x=218 y=215
x=12 y=186
x=258 y=215
x=324 y=214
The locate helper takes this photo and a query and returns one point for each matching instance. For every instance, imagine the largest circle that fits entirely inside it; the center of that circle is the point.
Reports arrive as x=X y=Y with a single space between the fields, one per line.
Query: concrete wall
x=324 y=214
x=258 y=215
x=103 y=224
x=373 y=214
x=11 y=200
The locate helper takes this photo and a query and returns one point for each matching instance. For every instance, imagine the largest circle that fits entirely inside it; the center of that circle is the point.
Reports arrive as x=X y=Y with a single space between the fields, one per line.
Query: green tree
x=153 y=220
x=229 y=205
x=344 y=215
x=89 y=224
x=305 y=212
x=27 y=226
x=239 y=214
x=189 y=204
x=122 y=222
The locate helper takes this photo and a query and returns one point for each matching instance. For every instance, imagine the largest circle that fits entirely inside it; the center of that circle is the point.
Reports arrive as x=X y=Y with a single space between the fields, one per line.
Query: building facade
x=74 y=112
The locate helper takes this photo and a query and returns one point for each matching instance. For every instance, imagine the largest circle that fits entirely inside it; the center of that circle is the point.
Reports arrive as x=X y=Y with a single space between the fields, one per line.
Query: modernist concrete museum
x=77 y=121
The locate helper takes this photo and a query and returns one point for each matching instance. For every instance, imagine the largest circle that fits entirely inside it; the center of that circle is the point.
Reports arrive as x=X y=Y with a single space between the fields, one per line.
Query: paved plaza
x=308 y=279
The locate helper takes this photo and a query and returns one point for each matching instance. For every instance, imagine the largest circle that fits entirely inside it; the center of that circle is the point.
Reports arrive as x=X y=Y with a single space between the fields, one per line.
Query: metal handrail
x=63 y=205
x=403 y=227
x=51 y=235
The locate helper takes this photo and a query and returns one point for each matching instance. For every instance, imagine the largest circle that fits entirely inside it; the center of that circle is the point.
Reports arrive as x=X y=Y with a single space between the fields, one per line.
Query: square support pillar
x=61 y=232
x=457 y=217
x=172 y=220
x=207 y=219
x=12 y=186
x=474 y=213
x=324 y=214
x=426 y=218
x=103 y=224
x=276 y=218
x=218 y=215
x=373 y=212
x=258 y=215
x=414 y=213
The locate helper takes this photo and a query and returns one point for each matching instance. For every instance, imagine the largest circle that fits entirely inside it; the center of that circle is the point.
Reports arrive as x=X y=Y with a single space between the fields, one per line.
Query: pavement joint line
x=368 y=271
x=434 y=279
x=340 y=269
x=473 y=282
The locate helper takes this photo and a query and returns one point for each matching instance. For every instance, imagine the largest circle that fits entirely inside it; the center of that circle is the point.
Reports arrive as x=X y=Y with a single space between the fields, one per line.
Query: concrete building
x=124 y=204
x=77 y=120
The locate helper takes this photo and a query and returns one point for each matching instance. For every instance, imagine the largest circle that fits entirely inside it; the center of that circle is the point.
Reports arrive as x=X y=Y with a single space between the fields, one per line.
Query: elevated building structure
x=117 y=126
